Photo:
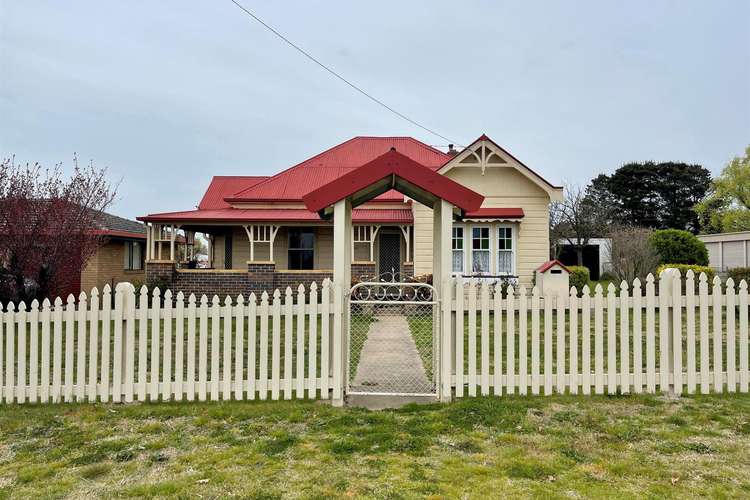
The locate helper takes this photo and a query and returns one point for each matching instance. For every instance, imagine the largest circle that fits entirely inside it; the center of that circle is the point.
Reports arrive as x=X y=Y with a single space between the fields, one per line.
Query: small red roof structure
x=393 y=170
x=550 y=264
x=495 y=213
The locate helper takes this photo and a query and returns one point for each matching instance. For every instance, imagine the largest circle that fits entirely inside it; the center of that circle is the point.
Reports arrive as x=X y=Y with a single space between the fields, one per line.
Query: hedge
x=738 y=274
x=579 y=276
x=683 y=268
x=676 y=246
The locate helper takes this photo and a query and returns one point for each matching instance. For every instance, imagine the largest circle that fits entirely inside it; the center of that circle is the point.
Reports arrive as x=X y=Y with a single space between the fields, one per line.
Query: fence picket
x=472 y=338
x=276 y=346
x=547 y=345
x=690 y=326
x=497 y=333
x=215 y=347
x=560 y=371
x=598 y=340
x=239 y=349
x=460 y=294
x=731 y=336
x=129 y=347
x=80 y=343
x=510 y=334
x=718 y=367
x=535 y=341
x=46 y=346
x=10 y=350
x=325 y=344
x=624 y=339
x=70 y=310
x=143 y=343
x=203 y=349
x=155 y=347
x=586 y=339
x=57 y=351
x=664 y=331
x=637 y=338
x=3 y=339
x=743 y=337
x=677 y=332
x=704 y=301
x=288 y=332
x=252 y=311
x=522 y=342
x=650 y=334
x=263 y=371
x=21 y=355
x=117 y=348
x=192 y=314
x=312 y=364
x=485 y=338
x=166 y=363
x=226 y=375
x=34 y=352
x=573 y=311
x=300 y=350
x=179 y=347
x=611 y=339
x=93 y=345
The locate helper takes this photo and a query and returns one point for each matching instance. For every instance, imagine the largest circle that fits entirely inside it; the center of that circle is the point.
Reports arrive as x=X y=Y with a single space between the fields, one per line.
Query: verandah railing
x=630 y=339
x=123 y=348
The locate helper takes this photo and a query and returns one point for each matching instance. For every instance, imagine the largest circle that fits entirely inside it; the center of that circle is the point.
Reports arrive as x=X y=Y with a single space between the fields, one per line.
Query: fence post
x=667 y=280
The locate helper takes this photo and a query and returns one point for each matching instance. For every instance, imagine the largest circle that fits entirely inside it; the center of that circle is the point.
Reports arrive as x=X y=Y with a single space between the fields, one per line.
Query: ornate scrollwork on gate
x=393 y=291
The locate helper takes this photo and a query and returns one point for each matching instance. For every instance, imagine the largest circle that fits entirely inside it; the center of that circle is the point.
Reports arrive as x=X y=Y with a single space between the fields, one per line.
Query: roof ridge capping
x=392 y=165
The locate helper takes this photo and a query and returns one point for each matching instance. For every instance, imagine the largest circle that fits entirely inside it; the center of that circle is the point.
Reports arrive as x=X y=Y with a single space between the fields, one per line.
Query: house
x=262 y=236
x=121 y=256
x=727 y=250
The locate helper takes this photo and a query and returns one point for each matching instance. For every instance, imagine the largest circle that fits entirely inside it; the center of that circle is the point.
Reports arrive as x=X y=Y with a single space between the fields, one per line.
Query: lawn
x=560 y=446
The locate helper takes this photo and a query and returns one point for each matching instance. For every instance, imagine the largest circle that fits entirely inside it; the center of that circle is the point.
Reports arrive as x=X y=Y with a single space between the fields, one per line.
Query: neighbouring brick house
x=121 y=257
x=262 y=236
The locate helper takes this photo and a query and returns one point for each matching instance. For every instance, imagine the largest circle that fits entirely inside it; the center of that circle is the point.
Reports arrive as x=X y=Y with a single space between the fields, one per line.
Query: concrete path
x=389 y=361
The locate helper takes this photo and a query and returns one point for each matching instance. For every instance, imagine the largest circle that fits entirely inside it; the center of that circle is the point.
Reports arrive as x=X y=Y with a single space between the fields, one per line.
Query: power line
x=335 y=74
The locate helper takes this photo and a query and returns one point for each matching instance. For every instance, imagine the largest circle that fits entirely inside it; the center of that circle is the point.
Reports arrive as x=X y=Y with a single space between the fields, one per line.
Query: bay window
x=458 y=249
x=480 y=250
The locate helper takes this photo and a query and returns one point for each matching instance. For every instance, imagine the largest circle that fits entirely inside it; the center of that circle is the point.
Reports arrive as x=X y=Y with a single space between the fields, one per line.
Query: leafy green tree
x=727 y=207
x=653 y=195
x=675 y=246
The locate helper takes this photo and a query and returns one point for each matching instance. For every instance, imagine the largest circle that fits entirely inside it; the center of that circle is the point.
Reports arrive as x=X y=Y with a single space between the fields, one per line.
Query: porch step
x=383 y=402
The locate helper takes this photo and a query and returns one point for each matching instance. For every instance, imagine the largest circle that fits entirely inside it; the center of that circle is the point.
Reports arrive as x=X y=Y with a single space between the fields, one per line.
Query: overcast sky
x=166 y=94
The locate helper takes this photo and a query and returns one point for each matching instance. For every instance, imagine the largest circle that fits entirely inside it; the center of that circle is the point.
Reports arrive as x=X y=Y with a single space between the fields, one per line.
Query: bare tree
x=48 y=227
x=632 y=254
x=576 y=219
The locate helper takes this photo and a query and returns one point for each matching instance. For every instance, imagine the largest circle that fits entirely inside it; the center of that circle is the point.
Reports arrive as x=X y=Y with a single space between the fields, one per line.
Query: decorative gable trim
x=485 y=153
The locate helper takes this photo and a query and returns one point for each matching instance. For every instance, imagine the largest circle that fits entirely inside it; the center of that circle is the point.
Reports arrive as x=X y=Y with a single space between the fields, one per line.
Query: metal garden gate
x=393 y=339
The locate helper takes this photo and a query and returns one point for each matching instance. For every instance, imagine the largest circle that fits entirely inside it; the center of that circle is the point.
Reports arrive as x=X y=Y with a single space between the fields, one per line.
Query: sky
x=167 y=94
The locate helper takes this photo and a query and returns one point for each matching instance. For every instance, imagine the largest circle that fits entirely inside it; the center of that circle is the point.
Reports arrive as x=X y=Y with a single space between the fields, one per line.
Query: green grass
x=561 y=446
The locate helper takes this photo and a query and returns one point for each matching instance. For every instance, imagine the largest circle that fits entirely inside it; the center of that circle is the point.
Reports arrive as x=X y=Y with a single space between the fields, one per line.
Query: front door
x=389 y=258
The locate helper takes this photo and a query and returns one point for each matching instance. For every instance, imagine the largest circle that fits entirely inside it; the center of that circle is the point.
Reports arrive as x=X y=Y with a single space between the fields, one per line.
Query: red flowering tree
x=48 y=227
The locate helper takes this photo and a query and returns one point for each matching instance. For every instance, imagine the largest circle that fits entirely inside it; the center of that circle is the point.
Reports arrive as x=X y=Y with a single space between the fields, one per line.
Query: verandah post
x=342 y=260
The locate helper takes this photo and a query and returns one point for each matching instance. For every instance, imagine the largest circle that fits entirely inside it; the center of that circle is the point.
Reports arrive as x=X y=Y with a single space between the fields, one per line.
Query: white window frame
x=496 y=259
x=463 y=251
x=471 y=250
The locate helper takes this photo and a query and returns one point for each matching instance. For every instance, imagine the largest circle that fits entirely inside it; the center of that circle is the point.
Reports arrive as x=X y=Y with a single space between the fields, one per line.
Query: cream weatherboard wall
x=503 y=187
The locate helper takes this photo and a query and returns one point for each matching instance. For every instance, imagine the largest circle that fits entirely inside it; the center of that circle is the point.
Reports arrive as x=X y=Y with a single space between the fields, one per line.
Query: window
x=458 y=250
x=301 y=244
x=133 y=256
x=504 y=250
x=480 y=250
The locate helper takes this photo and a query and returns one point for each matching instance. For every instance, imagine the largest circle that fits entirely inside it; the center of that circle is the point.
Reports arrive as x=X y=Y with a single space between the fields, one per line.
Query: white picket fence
x=90 y=350
x=658 y=337
x=621 y=342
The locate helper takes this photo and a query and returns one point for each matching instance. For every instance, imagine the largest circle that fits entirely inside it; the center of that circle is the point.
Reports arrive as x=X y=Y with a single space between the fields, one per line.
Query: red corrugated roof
x=226 y=185
x=393 y=164
x=551 y=263
x=297 y=181
x=396 y=216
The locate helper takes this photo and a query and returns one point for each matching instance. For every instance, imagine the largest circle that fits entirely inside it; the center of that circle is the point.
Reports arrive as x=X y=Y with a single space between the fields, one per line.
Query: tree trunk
x=579 y=255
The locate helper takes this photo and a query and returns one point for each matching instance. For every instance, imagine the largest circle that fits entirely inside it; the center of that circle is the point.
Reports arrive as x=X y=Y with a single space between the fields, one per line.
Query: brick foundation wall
x=407 y=269
x=259 y=277
x=360 y=269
